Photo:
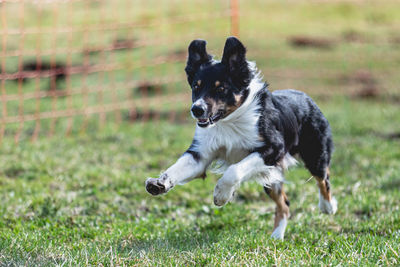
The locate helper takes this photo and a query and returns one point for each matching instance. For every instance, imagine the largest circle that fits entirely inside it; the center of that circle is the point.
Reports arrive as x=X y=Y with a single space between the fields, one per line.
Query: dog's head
x=218 y=88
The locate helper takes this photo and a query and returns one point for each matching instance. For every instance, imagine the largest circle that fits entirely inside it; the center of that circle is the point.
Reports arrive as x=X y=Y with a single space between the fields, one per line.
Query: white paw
x=222 y=194
x=279 y=231
x=157 y=186
x=327 y=207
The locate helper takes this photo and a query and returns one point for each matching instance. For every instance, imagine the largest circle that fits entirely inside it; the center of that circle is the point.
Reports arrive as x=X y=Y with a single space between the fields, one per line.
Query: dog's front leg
x=188 y=167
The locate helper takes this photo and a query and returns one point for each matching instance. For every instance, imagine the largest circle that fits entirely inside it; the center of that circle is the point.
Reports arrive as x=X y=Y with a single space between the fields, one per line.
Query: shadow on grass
x=391 y=185
x=187 y=238
x=173 y=241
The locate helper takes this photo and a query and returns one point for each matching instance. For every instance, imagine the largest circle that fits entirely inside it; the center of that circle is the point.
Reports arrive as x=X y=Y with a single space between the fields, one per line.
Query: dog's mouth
x=210 y=120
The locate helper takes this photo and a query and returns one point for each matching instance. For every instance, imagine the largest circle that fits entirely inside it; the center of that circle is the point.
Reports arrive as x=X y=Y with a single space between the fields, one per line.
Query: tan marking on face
x=198 y=82
x=217 y=83
x=238 y=100
x=238 y=103
x=211 y=102
x=221 y=105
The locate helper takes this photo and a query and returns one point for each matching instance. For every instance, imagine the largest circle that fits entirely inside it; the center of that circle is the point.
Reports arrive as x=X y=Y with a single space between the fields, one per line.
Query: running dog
x=250 y=131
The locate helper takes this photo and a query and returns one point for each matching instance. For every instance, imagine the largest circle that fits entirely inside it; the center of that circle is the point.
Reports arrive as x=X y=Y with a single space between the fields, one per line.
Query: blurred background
x=109 y=75
x=67 y=65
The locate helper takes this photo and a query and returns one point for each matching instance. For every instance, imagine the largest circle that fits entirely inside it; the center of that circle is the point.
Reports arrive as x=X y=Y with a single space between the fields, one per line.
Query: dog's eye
x=220 y=89
x=196 y=86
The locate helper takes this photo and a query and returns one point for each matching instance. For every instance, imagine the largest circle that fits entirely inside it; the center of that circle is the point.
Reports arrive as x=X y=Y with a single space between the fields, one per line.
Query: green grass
x=81 y=200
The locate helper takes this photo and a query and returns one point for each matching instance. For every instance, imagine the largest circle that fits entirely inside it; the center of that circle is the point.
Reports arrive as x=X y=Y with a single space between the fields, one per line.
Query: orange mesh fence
x=73 y=65
x=69 y=64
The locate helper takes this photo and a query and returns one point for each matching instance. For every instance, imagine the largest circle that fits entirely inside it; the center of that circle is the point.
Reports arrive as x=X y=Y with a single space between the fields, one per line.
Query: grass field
x=81 y=200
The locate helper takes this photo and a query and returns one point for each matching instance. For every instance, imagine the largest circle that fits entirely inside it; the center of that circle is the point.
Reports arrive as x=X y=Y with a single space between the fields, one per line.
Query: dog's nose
x=198 y=110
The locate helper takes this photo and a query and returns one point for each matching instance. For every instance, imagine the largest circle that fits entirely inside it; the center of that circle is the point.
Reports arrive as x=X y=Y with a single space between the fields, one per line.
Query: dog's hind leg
x=327 y=203
x=315 y=148
x=276 y=193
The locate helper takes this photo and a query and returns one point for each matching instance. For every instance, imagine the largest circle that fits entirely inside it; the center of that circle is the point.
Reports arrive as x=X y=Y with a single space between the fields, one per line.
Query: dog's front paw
x=222 y=194
x=157 y=186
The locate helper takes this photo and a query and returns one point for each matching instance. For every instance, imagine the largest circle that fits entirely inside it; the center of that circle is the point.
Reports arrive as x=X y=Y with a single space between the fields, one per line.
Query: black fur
x=191 y=150
x=197 y=56
x=234 y=58
x=290 y=121
x=327 y=183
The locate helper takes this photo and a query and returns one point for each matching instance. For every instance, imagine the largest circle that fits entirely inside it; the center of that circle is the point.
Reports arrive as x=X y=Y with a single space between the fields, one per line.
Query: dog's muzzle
x=199 y=112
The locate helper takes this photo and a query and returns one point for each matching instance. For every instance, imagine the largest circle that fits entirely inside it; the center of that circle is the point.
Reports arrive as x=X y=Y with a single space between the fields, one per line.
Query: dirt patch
x=123 y=44
x=353 y=36
x=389 y=136
x=369 y=91
x=395 y=40
x=118 y=45
x=179 y=54
x=363 y=77
x=313 y=42
x=149 y=89
x=175 y=116
x=34 y=68
x=393 y=135
x=365 y=81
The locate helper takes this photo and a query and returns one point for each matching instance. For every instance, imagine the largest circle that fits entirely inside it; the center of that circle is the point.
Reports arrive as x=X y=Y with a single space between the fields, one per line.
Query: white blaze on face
x=198 y=102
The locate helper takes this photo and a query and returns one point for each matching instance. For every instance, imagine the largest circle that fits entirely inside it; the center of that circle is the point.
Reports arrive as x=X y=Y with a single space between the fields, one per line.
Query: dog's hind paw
x=279 y=232
x=223 y=195
x=328 y=207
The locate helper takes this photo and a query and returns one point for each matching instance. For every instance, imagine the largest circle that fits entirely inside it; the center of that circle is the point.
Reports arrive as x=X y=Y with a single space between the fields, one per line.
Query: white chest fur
x=228 y=137
x=233 y=137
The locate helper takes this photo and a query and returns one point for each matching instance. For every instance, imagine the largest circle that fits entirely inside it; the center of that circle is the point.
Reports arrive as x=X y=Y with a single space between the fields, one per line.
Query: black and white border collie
x=252 y=132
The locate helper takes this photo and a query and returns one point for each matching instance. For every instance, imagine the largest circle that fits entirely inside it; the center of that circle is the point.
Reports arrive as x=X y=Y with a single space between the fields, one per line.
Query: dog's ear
x=197 y=56
x=234 y=58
